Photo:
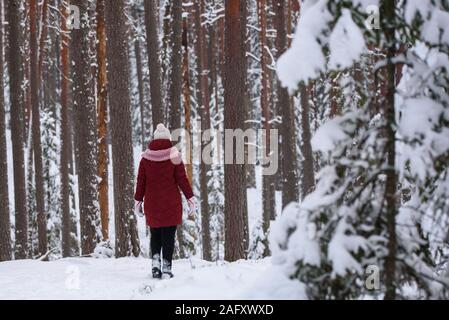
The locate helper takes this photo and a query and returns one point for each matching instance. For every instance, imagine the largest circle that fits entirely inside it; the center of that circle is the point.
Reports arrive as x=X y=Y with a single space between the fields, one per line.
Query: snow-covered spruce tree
x=51 y=181
x=85 y=128
x=385 y=183
x=216 y=200
x=50 y=115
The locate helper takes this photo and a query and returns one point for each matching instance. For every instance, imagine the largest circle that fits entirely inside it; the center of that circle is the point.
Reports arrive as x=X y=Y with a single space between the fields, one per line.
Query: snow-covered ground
x=130 y=278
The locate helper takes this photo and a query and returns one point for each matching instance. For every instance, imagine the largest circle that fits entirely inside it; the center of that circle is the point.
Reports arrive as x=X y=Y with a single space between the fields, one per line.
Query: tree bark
x=186 y=98
x=243 y=39
x=5 y=231
x=290 y=190
x=388 y=10
x=69 y=247
x=203 y=99
x=36 y=129
x=127 y=240
x=140 y=83
x=308 y=176
x=234 y=84
x=43 y=35
x=175 y=83
x=17 y=128
x=154 y=62
x=24 y=27
x=167 y=32
x=86 y=138
x=335 y=106
x=102 y=116
x=187 y=114
x=267 y=180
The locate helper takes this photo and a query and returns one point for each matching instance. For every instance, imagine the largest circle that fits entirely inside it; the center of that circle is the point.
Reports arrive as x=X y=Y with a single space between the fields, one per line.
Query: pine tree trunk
x=249 y=115
x=267 y=180
x=154 y=62
x=221 y=51
x=36 y=129
x=203 y=99
x=86 y=138
x=167 y=31
x=243 y=37
x=44 y=33
x=308 y=176
x=127 y=240
x=186 y=98
x=17 y=128
x=68 y=248
x=187 y=114
x=102 y=116
x=290 y=190
x=140 y=83
x=234 y=84
x=31 y=200
x=175 y=81
x=5 y=231
x=388 y=10
x=26 y=95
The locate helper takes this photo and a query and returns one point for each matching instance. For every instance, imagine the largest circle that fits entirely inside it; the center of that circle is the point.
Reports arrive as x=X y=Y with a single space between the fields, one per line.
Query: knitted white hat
x=162 y=132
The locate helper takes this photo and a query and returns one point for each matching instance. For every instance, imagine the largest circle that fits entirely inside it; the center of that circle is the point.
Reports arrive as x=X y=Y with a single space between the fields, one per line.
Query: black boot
x=156 y=264
x=166 y=269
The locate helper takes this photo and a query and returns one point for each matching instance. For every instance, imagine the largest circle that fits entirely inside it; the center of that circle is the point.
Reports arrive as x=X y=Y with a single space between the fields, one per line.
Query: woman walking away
x=161 y=175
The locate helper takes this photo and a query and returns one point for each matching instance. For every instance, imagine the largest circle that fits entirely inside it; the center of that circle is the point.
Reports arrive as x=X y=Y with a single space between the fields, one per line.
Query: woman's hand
x=192 y=207
x=138 y=208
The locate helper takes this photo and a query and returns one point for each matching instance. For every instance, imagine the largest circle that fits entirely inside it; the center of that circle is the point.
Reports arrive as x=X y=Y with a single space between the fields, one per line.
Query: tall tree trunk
x=127 y=240
x=31 y=200
x=36 y=128
x=175 y=83
x=186 y=98
x=154 y=62
x=221 y=28
x=140 y=83
x=5 y=231
x=24 y=28
x=288 y=133
x=234 y=84
x=43 y=35
x=69 y=247
x=249 y=124
x=17 y=128
x=167 y=31
x=86 y=138
x=267 y=180
x=204 y=112
x=388 y=12
x=243 y=37
x=308 y=176
x=102 y=116
x=187 y=112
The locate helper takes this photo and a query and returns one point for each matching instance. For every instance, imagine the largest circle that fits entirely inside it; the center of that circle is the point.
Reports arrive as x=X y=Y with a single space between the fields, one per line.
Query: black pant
x=163 y=239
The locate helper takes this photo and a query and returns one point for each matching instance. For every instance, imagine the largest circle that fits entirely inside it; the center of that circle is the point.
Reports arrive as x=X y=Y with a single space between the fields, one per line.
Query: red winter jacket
x=161 y=175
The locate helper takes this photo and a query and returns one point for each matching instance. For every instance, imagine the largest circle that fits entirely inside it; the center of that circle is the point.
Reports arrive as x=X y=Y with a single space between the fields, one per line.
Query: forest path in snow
x=130 y=278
